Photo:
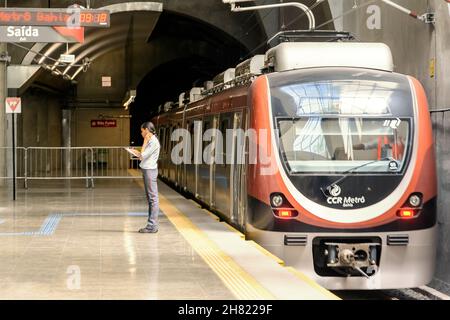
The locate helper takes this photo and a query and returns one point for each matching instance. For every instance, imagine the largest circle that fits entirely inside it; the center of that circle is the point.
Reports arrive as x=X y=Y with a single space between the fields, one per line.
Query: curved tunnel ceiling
x=132 y=25
x=161 y=52
x=125 y=27
x=134 y=22
x=153 y=8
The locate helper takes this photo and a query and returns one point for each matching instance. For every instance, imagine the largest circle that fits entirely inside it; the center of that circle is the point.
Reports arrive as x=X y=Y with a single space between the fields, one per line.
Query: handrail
x=308 y=12
x=83 y=163
x=440 y=110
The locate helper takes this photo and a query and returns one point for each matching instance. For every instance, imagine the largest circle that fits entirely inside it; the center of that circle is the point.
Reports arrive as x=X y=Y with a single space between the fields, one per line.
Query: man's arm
x=134 y=152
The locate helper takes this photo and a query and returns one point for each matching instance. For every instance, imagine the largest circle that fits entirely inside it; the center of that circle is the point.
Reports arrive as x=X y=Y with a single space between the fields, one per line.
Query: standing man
x=149 y=164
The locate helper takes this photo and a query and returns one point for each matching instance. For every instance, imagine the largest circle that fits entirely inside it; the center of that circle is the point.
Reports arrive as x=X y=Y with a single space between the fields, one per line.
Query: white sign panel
x=13 y=105
x=106 y=82
x=40 y=34
x=67 y=58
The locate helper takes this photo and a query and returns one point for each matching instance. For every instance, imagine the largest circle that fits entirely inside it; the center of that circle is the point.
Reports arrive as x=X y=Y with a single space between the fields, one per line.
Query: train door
x=238 y=172
x=166 y=152
x=212 y=167
x=163 y=152
x=204 y=168
x=184 y=165
x=223 y=166
x=173 y=166
x=197 y=151
x=161 y=140
x=244 y=151
x=178 y=167
x=191 y=168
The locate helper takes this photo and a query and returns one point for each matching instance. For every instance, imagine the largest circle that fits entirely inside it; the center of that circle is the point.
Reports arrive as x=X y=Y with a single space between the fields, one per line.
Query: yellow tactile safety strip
x=238 y=281
x=266 y=252
x=312 y=283
x=242 y=284
x=234 y=230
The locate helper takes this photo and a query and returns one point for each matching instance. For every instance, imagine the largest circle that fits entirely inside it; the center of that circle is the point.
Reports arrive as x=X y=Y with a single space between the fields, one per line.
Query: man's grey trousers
x=151 y=191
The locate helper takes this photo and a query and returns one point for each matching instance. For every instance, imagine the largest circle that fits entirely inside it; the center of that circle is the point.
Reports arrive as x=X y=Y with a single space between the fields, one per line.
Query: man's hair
x=150 y=126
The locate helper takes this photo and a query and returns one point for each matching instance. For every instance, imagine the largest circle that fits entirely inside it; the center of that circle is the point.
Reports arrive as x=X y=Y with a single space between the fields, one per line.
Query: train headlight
x=415 y=200
x=277 y=201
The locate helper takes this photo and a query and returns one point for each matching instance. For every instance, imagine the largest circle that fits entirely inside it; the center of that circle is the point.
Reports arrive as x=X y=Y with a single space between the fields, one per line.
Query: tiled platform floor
x=85 y=245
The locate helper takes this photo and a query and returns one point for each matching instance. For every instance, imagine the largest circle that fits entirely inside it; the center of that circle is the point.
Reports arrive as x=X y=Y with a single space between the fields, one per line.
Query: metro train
x=342 y=181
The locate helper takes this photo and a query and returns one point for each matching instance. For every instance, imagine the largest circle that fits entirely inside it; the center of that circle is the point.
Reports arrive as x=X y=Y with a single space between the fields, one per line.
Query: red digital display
x=96 y=18
x=54 y=17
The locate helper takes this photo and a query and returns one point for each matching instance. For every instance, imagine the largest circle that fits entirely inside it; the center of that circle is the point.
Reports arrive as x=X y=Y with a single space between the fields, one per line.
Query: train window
x=167 y=141
x=338 y=145
x=206 y=127
x=174 y=143
x=191 y=132
x=351 y=95
x=224 y=126
x=161 y=136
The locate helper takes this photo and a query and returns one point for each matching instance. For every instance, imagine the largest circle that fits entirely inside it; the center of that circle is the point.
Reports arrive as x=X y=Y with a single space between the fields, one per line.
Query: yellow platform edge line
x=231 y=228
x=239 y=282
x=195 y=203
x=267 y=253
x=312 y=283
x=242 y=284
x=212 y=215
x=216 y=257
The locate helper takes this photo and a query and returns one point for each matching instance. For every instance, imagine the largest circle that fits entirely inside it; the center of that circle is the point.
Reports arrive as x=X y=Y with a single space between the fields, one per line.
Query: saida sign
x=41 y=34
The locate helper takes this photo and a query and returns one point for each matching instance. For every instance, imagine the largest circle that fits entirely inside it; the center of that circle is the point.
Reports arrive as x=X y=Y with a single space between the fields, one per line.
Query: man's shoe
x=148 y=230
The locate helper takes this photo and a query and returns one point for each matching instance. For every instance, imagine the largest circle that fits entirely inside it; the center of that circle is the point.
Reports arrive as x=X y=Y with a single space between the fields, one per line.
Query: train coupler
x=360 y=257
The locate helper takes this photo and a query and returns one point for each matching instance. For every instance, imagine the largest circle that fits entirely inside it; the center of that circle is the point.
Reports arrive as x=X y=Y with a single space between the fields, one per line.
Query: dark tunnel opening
x=203 y=52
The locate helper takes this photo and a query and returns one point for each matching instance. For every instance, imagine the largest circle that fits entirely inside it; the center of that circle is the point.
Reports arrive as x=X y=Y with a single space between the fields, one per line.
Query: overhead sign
x=67 y=58
x=103 y=123
x=68 y=17
x=41 y=34
x=106 y=82
x=13 y=105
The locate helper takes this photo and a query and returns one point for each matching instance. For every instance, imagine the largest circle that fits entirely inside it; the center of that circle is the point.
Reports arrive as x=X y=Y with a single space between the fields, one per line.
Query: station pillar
x=3 y=125
x=67 y=140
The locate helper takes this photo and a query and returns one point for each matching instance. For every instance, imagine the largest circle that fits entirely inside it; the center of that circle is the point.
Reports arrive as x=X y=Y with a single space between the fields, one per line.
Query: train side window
x=167 y=143
x=206 y=127
x=174 y=143
x=161 y=136
x=191 y=131
x=224 y=126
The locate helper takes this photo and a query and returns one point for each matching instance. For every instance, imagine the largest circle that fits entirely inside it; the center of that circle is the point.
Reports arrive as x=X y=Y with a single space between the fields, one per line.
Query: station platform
x=71 y=242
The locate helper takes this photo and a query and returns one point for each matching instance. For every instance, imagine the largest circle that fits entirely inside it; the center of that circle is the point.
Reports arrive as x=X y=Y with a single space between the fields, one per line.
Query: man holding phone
x=149 y=164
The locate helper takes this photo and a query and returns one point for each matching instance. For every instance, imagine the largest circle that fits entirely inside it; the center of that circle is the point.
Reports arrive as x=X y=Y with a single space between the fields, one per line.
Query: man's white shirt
x=150 y=155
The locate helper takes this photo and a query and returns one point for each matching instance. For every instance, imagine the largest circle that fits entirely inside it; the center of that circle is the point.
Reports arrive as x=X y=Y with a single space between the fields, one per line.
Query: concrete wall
x=441 y=124
x=2 y=119
x=85 y=136
x=40 y=123
x=415 y=46
x=90 y=83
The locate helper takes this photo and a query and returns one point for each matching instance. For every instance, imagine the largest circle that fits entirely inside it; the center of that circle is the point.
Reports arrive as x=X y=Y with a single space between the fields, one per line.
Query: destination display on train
x=69 y=17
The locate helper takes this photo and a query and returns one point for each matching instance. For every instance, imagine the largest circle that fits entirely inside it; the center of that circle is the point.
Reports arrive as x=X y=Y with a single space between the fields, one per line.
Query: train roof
x=289 y=56
x=292 y=56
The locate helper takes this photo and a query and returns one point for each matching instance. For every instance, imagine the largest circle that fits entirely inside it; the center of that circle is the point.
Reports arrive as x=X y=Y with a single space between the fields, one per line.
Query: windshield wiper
x=348 y=173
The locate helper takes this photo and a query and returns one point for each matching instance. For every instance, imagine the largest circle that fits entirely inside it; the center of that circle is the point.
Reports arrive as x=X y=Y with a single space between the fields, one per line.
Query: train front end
x=344 y=187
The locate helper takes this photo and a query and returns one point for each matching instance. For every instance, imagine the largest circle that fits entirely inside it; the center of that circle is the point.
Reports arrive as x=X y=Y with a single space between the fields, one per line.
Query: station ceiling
x=160 y=48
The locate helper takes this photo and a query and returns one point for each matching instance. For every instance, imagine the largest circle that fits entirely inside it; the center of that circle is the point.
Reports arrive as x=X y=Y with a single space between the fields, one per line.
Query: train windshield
x=338 y=145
